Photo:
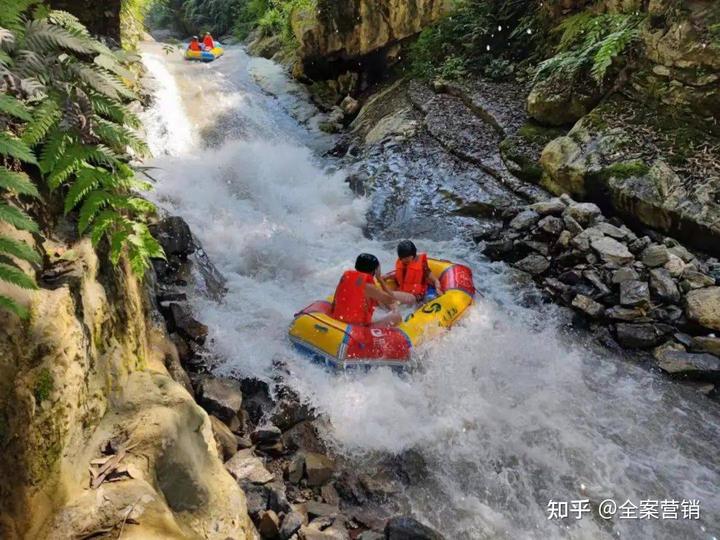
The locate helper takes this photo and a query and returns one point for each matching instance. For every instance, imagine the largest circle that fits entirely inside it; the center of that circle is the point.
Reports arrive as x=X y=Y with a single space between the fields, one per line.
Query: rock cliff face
x=343 y=31
x=95 y=436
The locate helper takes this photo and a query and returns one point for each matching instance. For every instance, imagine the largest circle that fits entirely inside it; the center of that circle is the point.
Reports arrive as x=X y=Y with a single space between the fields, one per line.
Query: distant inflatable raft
x=342 y=345
x=205 y=56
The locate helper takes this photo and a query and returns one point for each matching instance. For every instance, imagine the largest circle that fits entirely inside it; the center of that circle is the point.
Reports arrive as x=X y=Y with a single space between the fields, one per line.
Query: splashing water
x=507 y=412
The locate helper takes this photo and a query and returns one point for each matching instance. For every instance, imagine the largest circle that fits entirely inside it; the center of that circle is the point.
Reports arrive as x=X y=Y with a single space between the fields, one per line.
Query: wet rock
x=570 y=277
x=407 y=528
x=289 y=412
x=708 y=344
x=330 y=495
x=638 y=336
x=564 y=239
x=588 y=306
x=533 y=264
x=612 y=231
x=675 y=266
x=624 y=274
x=245 y=466
x=583 y=240
x=693 y=366
x=291 y=524
x=663 y=286
x=551 y=225
x=639 y=245
x=612 y=251
x=634 y=293
x=693 y=279
x=539 y=247
x=318 y=468
x=681 y=252
x=269 y=525
x=317 y=509
x=220 y=397
x=703 y=307
x=350 y=106
x=570 y=258
x=498 y=250
x=626 y=314
x=655 y=255
x=593 y=277
x=572 y=225
x=266 y=435
x=551 y=207
x=182 y=321
x=277 y=499
x=224 y=438
x=584 y=213
x=256 y=498
x=296 y=469
x=371 y=535
x=174 y=235
x=524 y=220
x=303 y=436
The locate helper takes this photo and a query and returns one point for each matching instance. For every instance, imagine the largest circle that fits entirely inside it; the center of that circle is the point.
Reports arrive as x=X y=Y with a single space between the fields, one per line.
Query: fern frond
x=110 y=63
x=8 y=304
x=14 y=107
x=69 y=21
x=16 y=277
x=102 y=223
x=86 y=180
x=19 y=182
x=17 y=218
x=120 y=137
x=93 y=203
x=15 y=148
x=44 y=118
x=53 y=150
x=117 y=241
x=30 y=64
x=95 y=78
x=11 y=15
x=19 y=249
x=611 y=47
x=43 y=36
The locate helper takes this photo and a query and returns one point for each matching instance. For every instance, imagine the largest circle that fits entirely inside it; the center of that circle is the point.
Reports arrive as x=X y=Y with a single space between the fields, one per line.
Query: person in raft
x=195 y=44
x=357 y=295
x=413 y=274
x=208 y=42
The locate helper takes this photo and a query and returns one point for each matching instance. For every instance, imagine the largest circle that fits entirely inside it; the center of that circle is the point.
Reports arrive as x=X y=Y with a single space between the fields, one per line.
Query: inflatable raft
x=341 y=345
x=205 y=56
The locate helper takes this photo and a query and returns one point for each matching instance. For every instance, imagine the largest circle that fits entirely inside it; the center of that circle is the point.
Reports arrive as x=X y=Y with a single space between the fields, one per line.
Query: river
x=509 y=410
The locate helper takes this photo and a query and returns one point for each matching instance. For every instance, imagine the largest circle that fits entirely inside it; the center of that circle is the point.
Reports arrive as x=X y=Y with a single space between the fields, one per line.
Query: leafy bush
x=273 y=17
x=64 y=121
x=591 y=42
x=195 y=16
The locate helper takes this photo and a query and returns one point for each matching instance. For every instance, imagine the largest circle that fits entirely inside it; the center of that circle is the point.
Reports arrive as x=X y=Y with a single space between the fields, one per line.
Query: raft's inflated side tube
x=342 y=345
x=205 y=56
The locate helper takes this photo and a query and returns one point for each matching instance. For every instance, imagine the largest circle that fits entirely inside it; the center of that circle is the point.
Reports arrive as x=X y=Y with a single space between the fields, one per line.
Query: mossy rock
x=521 y=151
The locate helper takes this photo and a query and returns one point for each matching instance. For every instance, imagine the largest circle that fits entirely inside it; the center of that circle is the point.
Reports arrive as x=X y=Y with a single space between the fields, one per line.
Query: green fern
x=16 y=277
x=94 y=202
x=14 y=107
x=17 y=218
x=43 y=36
x=15 y=148
x=87 y=180
x=18 y=249
x=44 y=118
x=9 y=304
x=18 y=182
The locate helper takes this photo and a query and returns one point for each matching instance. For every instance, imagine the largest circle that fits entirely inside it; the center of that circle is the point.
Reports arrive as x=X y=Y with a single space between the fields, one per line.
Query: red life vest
x=411 y=277
x=350 y=304
x=208 y=42
x=195 y=46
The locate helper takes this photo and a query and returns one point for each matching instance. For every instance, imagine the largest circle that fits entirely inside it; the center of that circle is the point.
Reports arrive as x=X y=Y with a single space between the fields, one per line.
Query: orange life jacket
x=350 y=304
x=195 y=46
x=411 y=277
x=208 y=42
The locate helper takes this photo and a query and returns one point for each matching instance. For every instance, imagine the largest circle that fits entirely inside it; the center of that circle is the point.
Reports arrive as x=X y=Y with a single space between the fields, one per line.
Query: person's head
x=207 y=34
x=367 y=263
x=194 y=38
x=406 y=251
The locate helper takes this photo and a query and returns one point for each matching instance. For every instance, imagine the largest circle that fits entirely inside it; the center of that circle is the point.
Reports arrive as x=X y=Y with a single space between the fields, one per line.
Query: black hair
x=406 y=249
x=366 y=263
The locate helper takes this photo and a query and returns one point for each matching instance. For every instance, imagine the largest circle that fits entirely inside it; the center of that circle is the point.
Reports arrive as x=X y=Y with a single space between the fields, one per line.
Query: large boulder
x=407 y=528
x=703 y=307
x=559 y=100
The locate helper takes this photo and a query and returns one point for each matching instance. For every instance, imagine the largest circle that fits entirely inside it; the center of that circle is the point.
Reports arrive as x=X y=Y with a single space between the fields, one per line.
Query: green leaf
x=53 y=150
x=9 y=304
x=16 y=277
x=19 y=249
x=117 y=241
x=14 y=107
x=19 y=182
x=94 y=202
x=87 y=179
x=102 y=223
x=43 y=36
x=17 y=218
x=14 y=147
x=45 y=117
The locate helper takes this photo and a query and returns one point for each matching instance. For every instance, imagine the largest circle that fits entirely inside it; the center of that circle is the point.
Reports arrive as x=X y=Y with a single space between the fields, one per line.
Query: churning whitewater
x=507 y=412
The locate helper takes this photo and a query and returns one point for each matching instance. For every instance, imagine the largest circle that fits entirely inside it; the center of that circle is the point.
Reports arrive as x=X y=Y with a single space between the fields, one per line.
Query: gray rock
x=572 y=225
x=245 y=466
x=693 y=279
x=634 y=293
x=539 y=247
x=371 y=535
x=620 y=313
x=703 y=307
x=330 y=495
x=182 y=321
x=407 y=528
x=350 y=106
x=675 y=265
x=583 y=240
x=524 y=220
x=570 y=277
x=317 y=509
x=593 y=277
x=563 y=240
x=639 y=244
x=611 y=230
x=318 y=468
x=533 y=264
x=266 y=435
x=663 y=286
x=655 y=255
x=612 y=251
x=584 y=213
x=221 y=397
x=296 y=469
x=551 y=207
x=224 y=438
x=638 y=336
x=681 y=252
x=269 y=525
x=624 y=274
x=708 y=344
x=588 y=306
x=290 y=525
x=551 y=225
x=498 y=250
x=697 y=367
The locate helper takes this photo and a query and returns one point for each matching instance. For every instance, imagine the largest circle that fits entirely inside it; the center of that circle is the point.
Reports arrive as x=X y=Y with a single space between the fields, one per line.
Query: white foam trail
x=506 y=414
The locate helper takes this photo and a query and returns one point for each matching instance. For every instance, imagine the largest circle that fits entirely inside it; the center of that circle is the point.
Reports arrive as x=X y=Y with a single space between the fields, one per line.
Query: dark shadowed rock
x=663 y=286
x=624 y=274
x=634 y=293
x=638 y=336
x=524 y=220
x=639 y=244
x=224 y=438
x=655 y=255
x=694 y=366
x=707 y=344
x=407 y=528
x=221 y=397
x=269 y=525
x=296 y=469
x=588 y=306
x=533 y=264
x=498 y=250
x=182 y=321
x=317 y=509
x=551 y=225
x=620 y=313
x=174 y=235
x=290 y=525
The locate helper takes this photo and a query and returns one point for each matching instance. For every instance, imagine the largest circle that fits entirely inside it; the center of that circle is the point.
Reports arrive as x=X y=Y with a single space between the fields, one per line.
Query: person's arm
x=435 y=281
x=384 y=298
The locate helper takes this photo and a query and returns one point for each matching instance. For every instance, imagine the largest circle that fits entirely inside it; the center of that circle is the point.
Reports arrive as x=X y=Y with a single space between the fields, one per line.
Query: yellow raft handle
x=321 y=328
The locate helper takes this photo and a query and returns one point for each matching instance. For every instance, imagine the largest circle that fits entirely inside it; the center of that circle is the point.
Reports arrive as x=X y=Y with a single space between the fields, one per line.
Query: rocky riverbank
x=271 y=443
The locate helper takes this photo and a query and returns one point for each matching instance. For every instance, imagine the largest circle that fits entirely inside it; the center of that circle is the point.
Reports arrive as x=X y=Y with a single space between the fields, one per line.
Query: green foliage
x=44 y=385
x=63 y=101
x=195 y=16
x=591 y=42
x=272 y=17
x=482 y=35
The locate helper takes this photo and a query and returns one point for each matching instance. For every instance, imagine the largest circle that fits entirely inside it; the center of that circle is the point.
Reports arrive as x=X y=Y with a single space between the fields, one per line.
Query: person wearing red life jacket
x=413 y=274
x=208 y=42
x=195 y=44
x=357 y=295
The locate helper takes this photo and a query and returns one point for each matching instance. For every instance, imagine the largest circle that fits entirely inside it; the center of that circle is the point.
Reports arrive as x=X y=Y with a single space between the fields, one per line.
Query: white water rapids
x=506 y=411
